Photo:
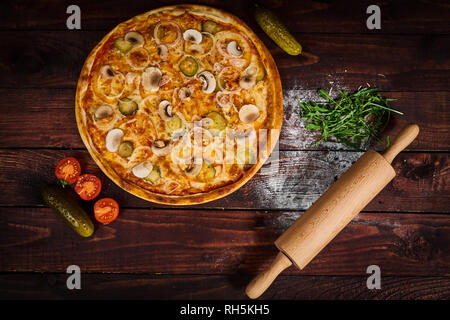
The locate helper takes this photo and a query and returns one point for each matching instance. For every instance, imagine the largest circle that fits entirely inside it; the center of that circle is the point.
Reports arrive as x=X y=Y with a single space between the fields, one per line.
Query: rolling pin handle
x=262 y=281
x=401 y=141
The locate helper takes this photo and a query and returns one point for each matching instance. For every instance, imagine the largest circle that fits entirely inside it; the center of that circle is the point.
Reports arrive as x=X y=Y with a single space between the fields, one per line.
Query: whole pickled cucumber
x=273 y=27
x=68 y=209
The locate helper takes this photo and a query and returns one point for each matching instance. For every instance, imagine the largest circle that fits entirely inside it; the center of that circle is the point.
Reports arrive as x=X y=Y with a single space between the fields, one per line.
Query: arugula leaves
x=353 y=119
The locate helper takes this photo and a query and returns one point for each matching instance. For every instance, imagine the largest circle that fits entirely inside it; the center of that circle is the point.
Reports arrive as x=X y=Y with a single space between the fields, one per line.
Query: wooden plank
x=219 y=242
x=420 y=63
x=51 y=112
x=293 y=182
x=195 y=287
x=345 y=16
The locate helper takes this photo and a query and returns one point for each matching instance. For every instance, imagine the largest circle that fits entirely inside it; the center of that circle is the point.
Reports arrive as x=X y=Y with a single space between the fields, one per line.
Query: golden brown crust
x=275 y=116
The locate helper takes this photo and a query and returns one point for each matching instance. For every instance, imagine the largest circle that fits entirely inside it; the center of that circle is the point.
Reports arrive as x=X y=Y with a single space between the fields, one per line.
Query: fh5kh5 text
x=228 y=309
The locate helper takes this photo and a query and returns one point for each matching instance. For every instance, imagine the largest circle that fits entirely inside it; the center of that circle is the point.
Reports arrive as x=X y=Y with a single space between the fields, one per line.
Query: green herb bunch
x=353 y=119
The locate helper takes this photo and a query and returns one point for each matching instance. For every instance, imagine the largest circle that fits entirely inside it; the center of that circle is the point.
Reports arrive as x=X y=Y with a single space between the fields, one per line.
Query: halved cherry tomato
x=68 y=169
x=106 y=210
x=88 y=186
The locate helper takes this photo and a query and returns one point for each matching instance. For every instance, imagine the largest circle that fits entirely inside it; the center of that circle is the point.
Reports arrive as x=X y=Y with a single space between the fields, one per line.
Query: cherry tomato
x=106 y=210
x=88 y=186
x=68 y=169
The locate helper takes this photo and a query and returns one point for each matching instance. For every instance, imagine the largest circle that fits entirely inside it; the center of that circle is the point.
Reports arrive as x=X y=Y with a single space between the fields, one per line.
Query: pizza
x=180 y=105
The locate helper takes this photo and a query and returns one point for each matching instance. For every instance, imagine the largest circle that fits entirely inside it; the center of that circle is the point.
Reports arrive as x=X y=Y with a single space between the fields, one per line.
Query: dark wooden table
x=213 y=250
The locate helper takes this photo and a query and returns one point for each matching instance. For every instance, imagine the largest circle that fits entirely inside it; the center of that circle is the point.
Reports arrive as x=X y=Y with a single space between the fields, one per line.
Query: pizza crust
x=275 y=116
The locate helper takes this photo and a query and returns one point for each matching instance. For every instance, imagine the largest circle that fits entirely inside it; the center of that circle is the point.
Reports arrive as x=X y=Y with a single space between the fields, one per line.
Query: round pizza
x=180 y=105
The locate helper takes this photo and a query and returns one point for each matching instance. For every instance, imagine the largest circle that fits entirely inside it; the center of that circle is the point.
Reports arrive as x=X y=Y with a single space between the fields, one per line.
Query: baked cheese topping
x=176 y=100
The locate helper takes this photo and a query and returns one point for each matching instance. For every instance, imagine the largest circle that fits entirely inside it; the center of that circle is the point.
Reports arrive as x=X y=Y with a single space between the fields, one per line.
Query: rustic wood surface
x=221 y=242
x=211 y=251
x=168 y=287
x=38 y=106
x=293 y=182
x=53 y=59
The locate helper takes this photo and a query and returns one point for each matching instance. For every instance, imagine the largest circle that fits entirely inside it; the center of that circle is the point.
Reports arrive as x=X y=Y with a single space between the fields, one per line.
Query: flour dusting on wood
x=301 y=178
x=294 y=134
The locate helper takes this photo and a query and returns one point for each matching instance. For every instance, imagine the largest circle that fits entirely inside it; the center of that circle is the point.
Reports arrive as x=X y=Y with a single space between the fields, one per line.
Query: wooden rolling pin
x=333 y=210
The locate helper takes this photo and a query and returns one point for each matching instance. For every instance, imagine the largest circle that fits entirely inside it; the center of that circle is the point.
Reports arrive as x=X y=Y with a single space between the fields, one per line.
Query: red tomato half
x=68 y=169
x=106 y=210
x=88 y=186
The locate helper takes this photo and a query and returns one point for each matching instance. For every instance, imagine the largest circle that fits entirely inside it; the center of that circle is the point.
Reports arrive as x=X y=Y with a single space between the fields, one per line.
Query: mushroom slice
x=151 y=78
x=142 y=170
x=163 y=51
x=248 y=77
x=208 y=81
x=113 y=139
x=184 y=93
x=193 y=36
x=193 y=169
x=247 y=81
x=165 y=110
x=248 y=113
x=234 y=49
x=161 y=147
x=135 y=38
x=107 y=72
x=103 y=112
